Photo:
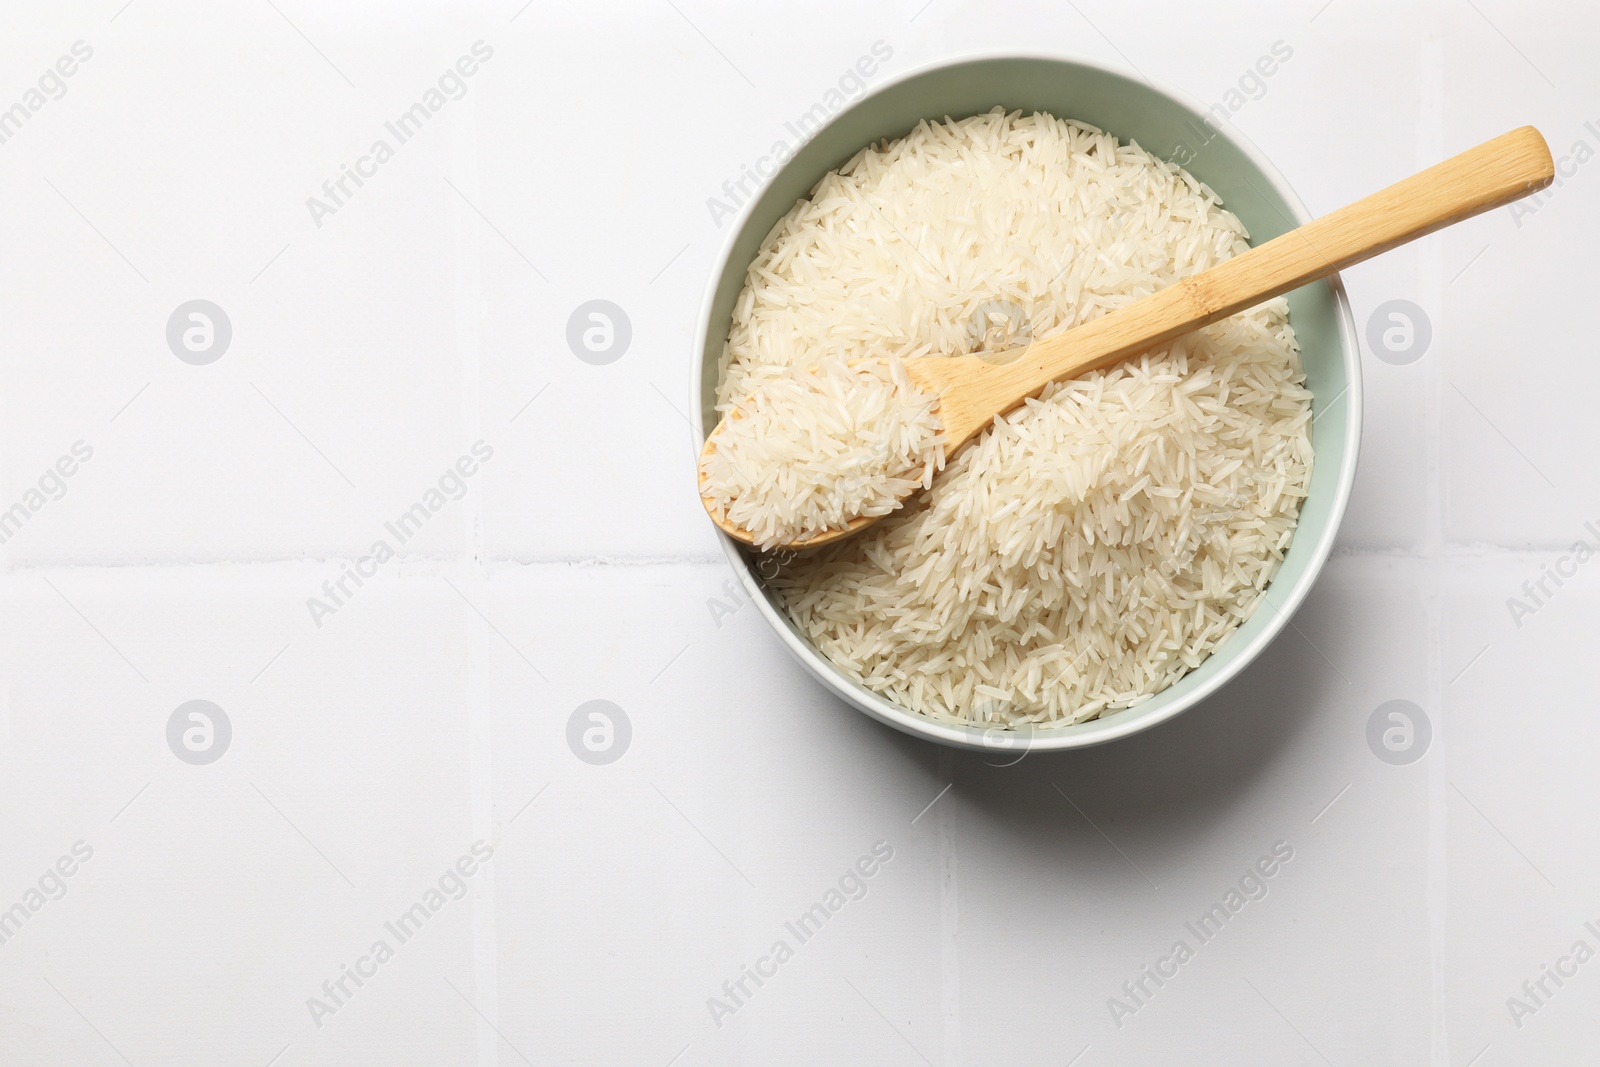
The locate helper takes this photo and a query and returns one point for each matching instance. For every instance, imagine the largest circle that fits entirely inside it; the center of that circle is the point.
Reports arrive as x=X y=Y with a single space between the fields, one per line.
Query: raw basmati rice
x=1097 y=544
x=811 y=450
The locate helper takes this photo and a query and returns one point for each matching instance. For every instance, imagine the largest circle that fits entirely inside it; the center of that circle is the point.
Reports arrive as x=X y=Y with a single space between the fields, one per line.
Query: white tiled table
x=429 y=709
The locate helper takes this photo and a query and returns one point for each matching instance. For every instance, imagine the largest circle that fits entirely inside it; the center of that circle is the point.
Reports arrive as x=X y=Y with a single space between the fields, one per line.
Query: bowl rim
x=1113 y=726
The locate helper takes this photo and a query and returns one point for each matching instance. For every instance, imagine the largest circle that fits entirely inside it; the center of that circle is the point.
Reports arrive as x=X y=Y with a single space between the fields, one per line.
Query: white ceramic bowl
x=1164 y=122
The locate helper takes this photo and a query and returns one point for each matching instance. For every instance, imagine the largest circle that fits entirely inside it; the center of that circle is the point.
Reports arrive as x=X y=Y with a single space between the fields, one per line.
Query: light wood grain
x=972 y=390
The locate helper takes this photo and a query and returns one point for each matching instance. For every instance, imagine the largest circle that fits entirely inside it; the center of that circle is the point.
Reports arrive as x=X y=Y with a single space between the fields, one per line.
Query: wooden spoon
x=972 y=390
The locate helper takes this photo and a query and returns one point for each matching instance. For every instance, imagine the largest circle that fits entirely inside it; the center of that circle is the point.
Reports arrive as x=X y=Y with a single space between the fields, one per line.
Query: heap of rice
x=811 y=450
x=1095 y=545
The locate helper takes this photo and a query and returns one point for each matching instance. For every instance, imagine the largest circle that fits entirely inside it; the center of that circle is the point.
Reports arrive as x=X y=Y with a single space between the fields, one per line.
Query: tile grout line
x=949 y=917
x=471 y=338
x=471 y=315
x=1430 y=146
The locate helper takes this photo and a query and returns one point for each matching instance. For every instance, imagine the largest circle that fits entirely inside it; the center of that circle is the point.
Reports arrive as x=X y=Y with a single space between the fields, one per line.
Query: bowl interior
x=1161 y=124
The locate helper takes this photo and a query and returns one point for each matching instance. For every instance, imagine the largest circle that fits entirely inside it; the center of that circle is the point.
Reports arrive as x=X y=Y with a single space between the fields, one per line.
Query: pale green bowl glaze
x=1165 y=123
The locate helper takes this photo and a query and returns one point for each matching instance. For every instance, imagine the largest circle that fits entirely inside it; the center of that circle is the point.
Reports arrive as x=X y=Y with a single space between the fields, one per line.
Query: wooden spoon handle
x=1494 y=173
